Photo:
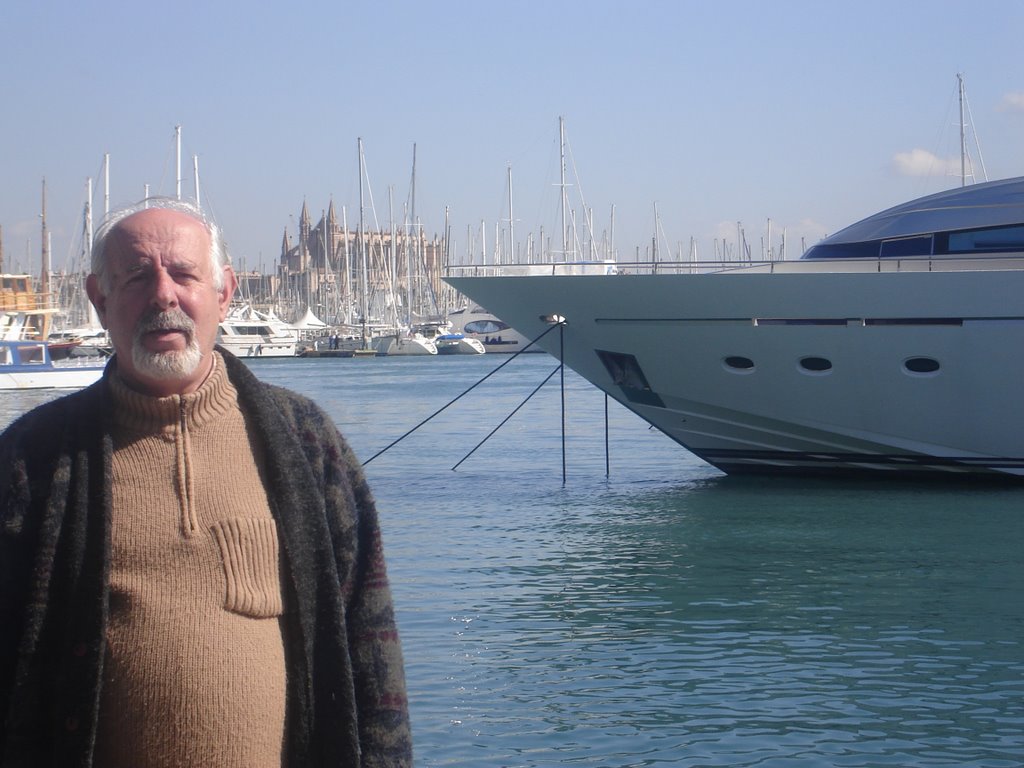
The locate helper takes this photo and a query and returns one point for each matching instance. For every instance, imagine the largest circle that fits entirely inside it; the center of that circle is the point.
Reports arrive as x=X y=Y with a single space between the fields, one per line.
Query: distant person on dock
x=191 y=571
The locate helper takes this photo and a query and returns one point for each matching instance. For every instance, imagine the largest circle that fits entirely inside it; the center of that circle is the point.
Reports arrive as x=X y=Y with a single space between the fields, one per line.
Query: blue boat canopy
x=980 y=218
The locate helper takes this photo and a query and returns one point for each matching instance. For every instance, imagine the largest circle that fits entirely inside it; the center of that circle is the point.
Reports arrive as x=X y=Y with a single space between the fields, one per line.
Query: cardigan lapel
x=297 y=502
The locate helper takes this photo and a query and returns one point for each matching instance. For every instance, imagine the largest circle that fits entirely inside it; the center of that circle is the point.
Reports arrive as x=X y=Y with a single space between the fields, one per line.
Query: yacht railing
x=941 y=263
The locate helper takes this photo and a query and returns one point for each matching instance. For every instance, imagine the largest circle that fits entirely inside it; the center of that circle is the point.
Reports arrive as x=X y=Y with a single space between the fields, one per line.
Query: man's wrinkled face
x=159 y=300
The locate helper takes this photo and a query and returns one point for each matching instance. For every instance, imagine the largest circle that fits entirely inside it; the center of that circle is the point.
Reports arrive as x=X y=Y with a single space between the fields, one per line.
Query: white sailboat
x=401 y=338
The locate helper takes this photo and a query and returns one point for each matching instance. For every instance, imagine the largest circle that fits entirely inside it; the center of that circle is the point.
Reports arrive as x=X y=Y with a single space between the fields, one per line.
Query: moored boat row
x=251 y=333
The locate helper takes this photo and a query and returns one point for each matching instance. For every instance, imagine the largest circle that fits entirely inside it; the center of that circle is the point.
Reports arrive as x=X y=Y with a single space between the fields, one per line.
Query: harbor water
x=648 y=611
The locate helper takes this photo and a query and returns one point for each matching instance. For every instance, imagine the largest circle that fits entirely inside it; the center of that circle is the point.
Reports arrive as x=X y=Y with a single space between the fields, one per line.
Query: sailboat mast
x=347 y=287
x=44 y=277
x=177 y=156
x=412 y=194
x=444 y=259
x=87 y=245
x=89 y=316
x=410 y=229
x=363 y=282
x=511 y=221
x=393 y=256
x=565 y=224
x=106 y=184
x=195 y=179
x=963 y=132
x=611 y=236
x=657 y=232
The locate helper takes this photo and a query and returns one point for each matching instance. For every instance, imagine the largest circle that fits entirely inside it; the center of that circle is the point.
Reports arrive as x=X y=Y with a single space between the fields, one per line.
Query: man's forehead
x=145 y=239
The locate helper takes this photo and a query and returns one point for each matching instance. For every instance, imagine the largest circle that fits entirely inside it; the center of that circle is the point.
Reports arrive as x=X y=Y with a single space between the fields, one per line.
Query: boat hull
x=252 y=334
x=50 y=377
x=729 y=364
x=240 y=346
x=494 y=335
x=458 y=344
x=404 y=345
x=27 y=365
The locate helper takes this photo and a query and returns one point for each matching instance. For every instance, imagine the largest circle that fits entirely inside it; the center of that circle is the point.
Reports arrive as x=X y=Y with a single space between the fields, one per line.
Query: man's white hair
x=219 y=257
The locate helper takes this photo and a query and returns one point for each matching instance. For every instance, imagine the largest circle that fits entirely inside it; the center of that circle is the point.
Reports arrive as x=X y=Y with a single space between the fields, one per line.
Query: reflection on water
x=13 y=404
x=667 y=616
x=717 y=624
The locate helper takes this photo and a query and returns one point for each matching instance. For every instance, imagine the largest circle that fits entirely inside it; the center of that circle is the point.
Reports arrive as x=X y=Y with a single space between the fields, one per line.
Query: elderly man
x=191 y=570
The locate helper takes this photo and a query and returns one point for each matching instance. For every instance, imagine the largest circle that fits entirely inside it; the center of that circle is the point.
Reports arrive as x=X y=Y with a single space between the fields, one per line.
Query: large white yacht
x=246 y=332
x=893 y=346
x=494 y=335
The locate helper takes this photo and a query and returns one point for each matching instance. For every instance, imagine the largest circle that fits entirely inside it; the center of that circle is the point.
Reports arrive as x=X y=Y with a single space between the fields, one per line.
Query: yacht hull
x=248 y=333
x=404 y=345
x=494 y=335
x=257 y=347
x=811 y=371
x=458 y=344
x=51 y=378
x=28 y=365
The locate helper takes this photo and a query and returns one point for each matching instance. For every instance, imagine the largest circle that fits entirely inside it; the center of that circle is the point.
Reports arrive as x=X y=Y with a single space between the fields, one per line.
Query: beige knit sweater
x=194 y=673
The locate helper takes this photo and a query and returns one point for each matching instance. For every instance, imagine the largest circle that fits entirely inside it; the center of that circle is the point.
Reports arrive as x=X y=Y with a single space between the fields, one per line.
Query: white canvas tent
x=309 y=322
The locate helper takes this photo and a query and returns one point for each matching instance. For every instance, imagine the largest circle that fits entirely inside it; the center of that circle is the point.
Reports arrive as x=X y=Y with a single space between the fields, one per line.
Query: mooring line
x=561 y=367
x=396 y=441
x=607 y=455
x=503 y=421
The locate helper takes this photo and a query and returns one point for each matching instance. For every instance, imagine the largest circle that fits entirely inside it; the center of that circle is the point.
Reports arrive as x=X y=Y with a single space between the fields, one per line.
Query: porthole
x=816 y=364
x=739 y=364
x=921 y=365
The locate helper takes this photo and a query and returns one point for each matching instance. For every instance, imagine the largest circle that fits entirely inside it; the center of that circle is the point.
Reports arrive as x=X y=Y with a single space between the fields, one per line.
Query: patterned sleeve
x=16 y=534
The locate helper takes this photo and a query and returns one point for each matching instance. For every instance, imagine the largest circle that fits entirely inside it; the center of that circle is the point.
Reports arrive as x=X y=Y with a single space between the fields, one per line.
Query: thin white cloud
x=726 y=230
x=921 y=162
x=1012 y=102
x=812 y=231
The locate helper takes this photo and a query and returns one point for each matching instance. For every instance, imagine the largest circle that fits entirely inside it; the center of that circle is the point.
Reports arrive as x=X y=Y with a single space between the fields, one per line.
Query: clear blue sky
x=812 y=114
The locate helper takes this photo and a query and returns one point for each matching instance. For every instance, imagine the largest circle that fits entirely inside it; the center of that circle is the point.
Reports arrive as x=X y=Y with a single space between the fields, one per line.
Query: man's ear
x=96 y=296
x=228 y=291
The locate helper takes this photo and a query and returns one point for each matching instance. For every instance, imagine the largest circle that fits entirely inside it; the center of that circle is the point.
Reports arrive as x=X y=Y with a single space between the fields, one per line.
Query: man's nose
x=165 y=294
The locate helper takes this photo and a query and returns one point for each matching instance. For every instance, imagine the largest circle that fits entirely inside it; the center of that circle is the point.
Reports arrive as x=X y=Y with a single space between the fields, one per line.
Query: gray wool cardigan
x=346 y=703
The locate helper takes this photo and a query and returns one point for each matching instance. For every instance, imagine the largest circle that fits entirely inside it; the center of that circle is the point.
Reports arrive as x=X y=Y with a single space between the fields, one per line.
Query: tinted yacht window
x=994 y=239
x=907 y=246
x=868 y=250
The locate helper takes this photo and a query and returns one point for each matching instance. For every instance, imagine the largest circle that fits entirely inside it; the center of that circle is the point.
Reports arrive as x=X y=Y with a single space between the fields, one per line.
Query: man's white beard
x=171 y=364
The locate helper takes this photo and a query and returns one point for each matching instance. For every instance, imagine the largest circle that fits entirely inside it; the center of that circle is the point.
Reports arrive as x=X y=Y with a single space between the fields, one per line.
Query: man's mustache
x=167 y=320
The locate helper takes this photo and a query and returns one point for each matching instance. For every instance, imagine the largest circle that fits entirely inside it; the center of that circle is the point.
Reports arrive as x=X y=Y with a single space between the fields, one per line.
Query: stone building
x=323 y=268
